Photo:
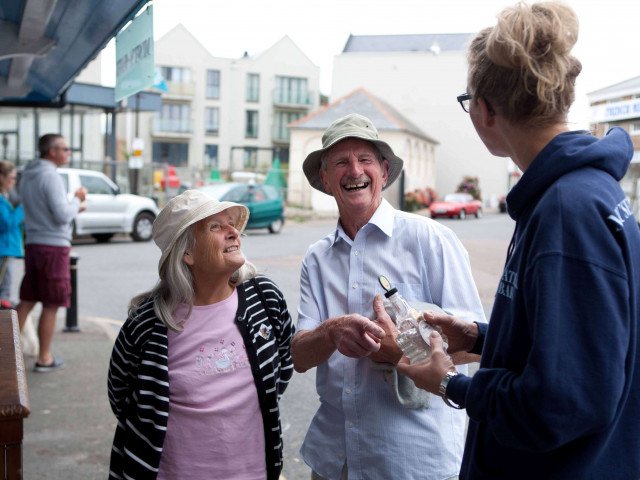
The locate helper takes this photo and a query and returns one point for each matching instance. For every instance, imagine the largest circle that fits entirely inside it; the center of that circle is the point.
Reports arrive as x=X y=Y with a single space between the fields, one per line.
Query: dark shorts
x=47 y=275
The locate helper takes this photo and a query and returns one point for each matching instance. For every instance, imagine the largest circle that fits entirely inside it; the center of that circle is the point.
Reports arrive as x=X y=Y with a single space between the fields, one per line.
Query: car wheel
x=462 y=215
x=479 y=213
x=276 y=226
x=102 y=237
x=142 y=226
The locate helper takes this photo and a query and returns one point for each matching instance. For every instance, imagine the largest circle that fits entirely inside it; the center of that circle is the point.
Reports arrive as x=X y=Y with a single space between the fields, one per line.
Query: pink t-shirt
x=215 y=427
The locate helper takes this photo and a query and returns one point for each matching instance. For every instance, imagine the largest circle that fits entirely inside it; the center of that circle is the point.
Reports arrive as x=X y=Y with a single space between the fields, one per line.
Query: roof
x=381 y=114
x=616 y=91
x=433 y=43
x=45 y=44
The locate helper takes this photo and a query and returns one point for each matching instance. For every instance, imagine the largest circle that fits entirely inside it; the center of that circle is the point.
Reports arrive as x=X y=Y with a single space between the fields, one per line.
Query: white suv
x=109 y=211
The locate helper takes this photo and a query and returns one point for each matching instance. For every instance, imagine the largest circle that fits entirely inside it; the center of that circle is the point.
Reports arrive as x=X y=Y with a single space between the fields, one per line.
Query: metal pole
x=71 y=324
x=112 y=146
x=401 y=199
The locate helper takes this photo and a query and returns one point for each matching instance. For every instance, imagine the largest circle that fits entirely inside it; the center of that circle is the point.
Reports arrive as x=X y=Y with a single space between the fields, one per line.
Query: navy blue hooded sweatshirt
x=557 y=395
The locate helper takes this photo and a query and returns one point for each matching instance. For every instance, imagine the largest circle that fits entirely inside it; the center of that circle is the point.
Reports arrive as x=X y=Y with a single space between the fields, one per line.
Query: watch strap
x=442 y=389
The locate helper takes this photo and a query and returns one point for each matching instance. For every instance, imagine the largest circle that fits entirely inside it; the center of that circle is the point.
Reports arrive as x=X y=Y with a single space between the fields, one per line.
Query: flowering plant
x=470 y=185
x=419 y=198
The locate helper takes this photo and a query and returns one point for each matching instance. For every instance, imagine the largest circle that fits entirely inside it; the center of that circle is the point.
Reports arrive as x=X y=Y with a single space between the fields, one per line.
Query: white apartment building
x=421 y=76
x=222 y=113
x=618 y=105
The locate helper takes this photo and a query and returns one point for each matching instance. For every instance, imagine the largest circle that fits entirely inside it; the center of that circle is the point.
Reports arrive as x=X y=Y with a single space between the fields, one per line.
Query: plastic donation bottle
x=413 y=331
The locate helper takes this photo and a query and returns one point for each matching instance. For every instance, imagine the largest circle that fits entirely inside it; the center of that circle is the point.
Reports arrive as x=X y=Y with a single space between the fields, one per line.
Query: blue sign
x=135 y=64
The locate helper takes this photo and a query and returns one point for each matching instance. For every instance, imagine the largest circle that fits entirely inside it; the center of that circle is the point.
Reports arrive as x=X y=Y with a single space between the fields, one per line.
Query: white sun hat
x=186 y=209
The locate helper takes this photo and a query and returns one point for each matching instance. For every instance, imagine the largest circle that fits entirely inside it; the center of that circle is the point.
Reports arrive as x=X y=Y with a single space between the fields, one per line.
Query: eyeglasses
x=464 y=100
x=64 y=149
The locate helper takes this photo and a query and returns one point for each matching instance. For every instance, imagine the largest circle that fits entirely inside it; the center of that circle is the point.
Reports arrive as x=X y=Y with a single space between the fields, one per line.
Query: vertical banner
x=135 y=64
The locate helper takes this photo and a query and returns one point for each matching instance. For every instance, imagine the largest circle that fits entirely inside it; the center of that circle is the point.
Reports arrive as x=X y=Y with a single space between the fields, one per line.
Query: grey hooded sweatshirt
x=48 y=212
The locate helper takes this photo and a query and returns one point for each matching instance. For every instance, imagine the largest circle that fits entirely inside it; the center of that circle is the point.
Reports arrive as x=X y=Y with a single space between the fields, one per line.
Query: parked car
x=265 y=204
x=456 y=205
x=108 y=211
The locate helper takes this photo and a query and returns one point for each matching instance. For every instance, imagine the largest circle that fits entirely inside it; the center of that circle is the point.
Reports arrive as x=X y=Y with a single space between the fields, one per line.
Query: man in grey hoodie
x=48 y=215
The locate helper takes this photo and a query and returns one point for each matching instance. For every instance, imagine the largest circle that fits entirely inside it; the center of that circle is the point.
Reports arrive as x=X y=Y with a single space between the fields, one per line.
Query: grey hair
x=323 y=157
x=46 y=143
x=175 y=286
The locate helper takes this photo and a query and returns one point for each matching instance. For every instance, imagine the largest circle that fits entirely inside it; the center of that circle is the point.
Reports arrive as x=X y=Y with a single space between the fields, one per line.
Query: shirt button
x=348 y=390
x=357 y=252
x=350 y=424
x=355 y=285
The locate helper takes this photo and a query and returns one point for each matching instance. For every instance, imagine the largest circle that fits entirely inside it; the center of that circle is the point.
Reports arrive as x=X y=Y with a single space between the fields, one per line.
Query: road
x=110 y=274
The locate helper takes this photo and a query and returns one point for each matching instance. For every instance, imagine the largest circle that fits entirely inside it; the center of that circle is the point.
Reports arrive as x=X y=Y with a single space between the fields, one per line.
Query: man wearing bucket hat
x=200 y=364
x=366 y=426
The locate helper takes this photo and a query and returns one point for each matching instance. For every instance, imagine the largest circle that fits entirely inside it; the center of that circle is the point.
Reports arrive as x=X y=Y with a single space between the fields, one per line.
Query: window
x=292 y=90
x=172 y=153
x=212 y=120
x=236 y=195
x=96 y=185
x=250 y=157
x=253 y=87
x=176 y=74
x=211 y=156
x=251 y=128
x=634 y=128
x=213 y=84
x=174 y=117
x=280 y=121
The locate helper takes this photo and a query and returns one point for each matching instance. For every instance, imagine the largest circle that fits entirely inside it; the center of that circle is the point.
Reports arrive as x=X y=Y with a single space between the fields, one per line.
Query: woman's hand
x=429 y=374
x=461 y=335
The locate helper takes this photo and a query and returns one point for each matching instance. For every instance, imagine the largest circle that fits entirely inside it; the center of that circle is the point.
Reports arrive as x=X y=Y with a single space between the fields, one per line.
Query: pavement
x=69 y=431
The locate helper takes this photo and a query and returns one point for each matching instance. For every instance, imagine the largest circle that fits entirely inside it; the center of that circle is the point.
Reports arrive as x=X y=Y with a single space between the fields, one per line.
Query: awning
x=45 y=44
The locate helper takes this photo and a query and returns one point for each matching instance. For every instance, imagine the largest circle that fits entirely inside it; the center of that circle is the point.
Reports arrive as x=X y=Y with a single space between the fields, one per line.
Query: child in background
x=11 y=216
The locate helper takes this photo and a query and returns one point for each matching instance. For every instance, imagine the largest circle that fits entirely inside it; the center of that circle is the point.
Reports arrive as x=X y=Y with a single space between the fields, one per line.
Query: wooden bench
x=14 y=397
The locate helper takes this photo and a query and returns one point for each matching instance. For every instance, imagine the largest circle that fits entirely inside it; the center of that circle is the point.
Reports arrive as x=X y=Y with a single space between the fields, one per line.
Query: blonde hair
x=175 y=286
x=523 y=67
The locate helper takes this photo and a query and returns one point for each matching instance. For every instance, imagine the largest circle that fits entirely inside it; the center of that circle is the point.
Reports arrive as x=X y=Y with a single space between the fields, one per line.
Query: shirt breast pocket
x=412 y=292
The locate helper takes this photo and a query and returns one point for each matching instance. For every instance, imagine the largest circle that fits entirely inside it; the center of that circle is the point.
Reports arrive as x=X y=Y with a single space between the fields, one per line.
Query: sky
x=608 y=44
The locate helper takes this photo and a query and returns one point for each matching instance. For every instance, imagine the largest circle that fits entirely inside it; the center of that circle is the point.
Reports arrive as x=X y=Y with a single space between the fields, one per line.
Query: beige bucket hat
x=186 y=209
x=350 y=126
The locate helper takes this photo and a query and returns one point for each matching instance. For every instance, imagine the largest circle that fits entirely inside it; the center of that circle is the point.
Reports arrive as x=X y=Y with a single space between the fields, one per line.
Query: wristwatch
x=442 y=389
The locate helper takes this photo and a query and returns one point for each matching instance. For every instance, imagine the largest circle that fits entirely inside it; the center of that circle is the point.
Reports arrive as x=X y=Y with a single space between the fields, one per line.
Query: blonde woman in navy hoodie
x=557 y=395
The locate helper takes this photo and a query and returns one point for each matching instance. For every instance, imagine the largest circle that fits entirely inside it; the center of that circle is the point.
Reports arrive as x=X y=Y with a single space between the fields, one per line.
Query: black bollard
x=71 y=324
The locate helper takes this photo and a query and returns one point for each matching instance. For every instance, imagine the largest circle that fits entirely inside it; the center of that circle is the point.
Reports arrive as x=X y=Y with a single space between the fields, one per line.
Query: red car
x=456 y=205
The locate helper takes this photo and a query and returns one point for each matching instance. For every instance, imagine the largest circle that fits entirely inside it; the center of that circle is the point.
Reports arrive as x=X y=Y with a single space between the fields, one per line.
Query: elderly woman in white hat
x=203 y=358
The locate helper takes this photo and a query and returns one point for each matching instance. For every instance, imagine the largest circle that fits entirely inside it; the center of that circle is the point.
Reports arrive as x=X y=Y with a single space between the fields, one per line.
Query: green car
x=265 y=204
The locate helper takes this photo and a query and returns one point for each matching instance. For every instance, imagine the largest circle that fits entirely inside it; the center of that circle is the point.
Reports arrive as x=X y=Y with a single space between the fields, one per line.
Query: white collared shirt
x=359 y=418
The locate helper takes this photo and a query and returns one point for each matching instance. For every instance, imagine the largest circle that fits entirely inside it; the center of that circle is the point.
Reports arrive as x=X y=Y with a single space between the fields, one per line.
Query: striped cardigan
x=138 y=382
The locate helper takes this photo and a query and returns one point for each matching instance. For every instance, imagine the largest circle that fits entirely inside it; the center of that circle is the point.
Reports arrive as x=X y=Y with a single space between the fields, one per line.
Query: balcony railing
x=297 y=98
x=181 y=89
x=171 y=125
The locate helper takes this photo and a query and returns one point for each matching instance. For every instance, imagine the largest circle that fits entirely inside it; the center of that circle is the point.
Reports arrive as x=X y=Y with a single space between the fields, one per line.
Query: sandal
x=57 y=364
